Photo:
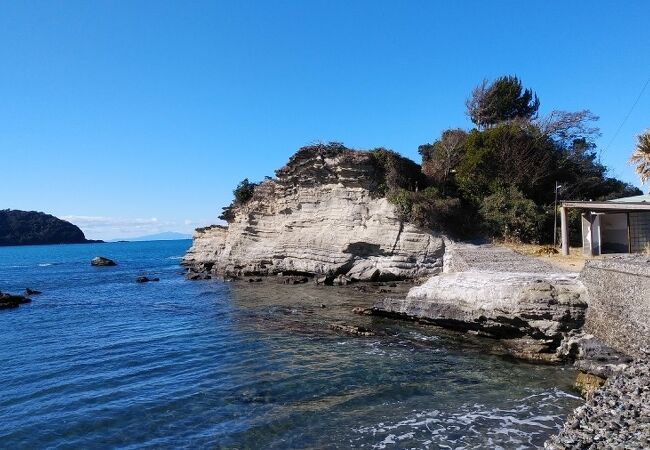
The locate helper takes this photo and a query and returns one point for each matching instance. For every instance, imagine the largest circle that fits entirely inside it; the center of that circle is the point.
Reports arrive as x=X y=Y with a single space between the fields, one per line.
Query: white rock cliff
x=322 y=215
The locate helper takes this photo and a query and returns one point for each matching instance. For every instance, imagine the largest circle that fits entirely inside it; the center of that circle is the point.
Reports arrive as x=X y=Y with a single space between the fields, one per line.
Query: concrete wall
x=619 y=302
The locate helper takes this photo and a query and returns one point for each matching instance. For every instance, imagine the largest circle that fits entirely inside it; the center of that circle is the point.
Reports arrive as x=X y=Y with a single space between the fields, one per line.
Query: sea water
x=100 y=361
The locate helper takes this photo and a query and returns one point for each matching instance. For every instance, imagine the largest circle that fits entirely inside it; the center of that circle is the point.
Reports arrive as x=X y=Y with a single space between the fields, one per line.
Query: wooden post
x=565 y=230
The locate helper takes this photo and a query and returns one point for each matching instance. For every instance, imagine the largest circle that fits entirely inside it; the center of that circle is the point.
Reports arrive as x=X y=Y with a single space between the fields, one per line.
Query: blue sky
x=137 y=117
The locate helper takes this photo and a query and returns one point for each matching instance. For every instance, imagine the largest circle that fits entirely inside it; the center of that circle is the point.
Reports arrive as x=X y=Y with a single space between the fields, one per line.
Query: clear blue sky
x=117 y=113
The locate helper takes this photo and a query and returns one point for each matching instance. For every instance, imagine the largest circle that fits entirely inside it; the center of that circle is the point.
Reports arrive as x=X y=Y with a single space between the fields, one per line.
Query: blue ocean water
x=99 y=361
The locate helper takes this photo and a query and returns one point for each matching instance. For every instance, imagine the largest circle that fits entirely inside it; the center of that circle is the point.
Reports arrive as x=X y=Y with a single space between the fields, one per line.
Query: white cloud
x=101 y=227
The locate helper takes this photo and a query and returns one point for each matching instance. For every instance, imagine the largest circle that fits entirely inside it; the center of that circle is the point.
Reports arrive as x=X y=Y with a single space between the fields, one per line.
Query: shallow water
x=99 y=361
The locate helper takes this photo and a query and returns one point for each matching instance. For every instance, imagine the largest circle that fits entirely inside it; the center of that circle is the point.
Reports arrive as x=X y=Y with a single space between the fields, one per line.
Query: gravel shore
x=617 y=416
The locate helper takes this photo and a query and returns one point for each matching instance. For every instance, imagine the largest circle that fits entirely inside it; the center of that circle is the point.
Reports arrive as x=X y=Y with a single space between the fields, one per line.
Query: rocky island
x=324 y=215
x=34 y=228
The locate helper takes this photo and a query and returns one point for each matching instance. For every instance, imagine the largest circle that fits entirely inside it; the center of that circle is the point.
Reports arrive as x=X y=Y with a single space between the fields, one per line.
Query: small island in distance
x=37 y=228
x=164 y=236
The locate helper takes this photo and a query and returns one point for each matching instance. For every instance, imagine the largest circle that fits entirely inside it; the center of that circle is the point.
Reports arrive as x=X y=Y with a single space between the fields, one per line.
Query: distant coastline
x=18 y=228
x=164 y=236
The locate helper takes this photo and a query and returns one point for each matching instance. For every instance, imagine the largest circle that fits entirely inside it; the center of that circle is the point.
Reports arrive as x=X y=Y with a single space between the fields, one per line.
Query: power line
x=629 y=113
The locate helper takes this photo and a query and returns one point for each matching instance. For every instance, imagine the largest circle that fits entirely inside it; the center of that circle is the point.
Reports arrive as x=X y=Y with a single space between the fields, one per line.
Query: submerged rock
x=29 y=291
x=362 y=311
x=194 y=275
x=12 y=301
x=323 y=215
x=143 y=279
x=295 y=280
x=101 y=261
x=352 y=329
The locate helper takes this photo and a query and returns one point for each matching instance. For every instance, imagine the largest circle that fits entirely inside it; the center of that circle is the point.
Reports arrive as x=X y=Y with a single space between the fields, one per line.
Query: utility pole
x=557 y=187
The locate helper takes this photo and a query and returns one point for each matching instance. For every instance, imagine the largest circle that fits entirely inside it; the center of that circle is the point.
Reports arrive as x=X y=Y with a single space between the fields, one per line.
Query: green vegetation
x=502 y=100
x=32 y=227
x=503 y=173
x=396 y=172
x=495 y=180
x=244 y=191
x=508 y=213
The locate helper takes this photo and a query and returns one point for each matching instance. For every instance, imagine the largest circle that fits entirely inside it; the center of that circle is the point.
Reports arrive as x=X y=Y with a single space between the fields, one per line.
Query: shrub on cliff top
x=397 y=172
x=244 y=191
x=428 y=209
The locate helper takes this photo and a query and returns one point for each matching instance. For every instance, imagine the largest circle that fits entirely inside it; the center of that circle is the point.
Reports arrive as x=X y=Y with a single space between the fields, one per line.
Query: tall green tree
x=502 y=100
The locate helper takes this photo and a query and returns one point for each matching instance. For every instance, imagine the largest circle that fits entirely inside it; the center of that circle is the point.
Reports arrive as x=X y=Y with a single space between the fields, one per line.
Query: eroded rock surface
x=322 y=215
x=527 y=304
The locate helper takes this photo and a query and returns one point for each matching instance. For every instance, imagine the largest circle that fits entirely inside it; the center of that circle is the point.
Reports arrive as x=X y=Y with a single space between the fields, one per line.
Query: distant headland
x=37 y=228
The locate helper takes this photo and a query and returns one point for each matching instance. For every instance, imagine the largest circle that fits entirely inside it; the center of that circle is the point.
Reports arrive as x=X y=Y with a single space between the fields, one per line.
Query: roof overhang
x=608 y=206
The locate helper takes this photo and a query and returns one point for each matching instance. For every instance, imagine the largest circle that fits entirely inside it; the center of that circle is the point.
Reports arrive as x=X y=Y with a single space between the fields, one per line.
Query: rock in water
x=352 y=329
x=143 y=279
x=30 y=291
x=324 y=214
x=12 y=301
x=101 y=261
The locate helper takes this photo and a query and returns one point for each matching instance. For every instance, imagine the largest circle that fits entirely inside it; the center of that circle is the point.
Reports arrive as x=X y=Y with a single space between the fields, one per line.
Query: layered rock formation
x=529 y=305
x=324 y=214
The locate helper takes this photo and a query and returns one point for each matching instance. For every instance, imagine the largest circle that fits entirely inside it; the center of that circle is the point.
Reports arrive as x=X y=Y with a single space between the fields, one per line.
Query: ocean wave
x=423 y=337
x=472 y=426
x=175 y=257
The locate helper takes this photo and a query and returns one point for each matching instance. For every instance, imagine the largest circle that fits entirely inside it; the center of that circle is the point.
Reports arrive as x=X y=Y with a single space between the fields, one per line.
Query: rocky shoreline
x=615 y=416
x=531 y=307
x=321 y=220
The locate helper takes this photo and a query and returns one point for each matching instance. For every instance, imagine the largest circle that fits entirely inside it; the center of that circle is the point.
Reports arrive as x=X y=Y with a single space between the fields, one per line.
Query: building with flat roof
x=615 y=226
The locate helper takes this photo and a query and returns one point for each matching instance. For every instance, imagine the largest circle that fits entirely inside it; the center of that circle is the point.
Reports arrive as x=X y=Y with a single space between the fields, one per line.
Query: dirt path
x=572 y=263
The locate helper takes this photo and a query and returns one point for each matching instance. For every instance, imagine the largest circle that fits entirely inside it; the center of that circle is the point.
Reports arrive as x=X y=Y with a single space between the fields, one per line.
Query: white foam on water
x=471 y=425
